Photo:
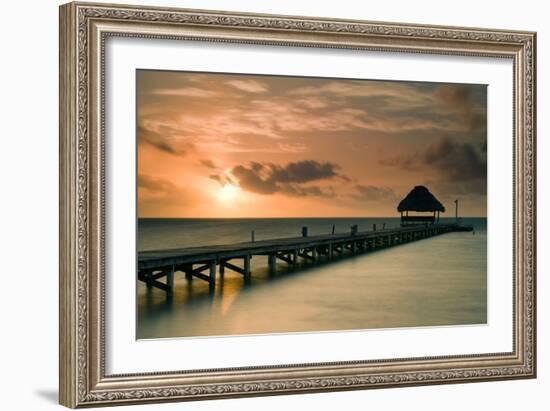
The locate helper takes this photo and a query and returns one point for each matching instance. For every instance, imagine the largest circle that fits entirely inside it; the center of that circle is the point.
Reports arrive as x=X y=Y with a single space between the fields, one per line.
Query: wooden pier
x=205 y=262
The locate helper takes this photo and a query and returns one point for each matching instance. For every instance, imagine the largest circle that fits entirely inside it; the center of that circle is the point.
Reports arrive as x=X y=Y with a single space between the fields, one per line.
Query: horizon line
x=302 y=217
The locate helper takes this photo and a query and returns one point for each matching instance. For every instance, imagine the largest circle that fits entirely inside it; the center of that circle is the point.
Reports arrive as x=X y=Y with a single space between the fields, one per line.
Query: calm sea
x=436 y=281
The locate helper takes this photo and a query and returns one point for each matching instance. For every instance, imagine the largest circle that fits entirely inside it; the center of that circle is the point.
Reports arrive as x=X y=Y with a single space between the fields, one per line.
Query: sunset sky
x=221 y=145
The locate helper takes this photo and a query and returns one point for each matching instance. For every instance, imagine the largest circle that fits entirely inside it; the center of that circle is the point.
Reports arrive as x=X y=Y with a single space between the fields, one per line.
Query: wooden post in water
x=304 y=231
x=374 y=227
x=188 y=268
x=252 y=235
x=247 y=268
x=148 y=281
x=170 y=279
x=333 y=228
x=212 y=274
x=295 y=256
x=271 y=262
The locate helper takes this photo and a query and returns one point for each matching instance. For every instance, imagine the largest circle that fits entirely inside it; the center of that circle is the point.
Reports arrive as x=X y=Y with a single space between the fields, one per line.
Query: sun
x=228 y=192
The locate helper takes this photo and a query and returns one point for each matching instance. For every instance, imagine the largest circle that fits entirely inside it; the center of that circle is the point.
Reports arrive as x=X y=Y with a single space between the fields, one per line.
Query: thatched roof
x=420 y=199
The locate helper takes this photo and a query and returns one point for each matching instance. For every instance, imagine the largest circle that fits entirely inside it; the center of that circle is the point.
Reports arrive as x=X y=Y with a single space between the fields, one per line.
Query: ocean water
x=432 y=282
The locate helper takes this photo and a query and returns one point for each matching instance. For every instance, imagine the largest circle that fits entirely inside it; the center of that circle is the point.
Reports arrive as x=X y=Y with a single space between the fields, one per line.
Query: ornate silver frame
x=84 y=27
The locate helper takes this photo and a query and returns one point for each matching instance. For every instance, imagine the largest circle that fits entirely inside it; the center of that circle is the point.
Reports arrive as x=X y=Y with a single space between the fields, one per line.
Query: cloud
x=460 y=168
x=250 y=86
x=313 y=102
x=456 y=161
x=167 y=142
x=404 y=162
x=223 y=179
x=452 y=160
x=154 y=186
x=373 y=193
x=297 y=190
x=292 y=147
x=381 y=91
x=332 y=87
x=463 y=100
x=185 y=92
x=394 y=107
x=289 y=179
x=304 y=171
x=208 y=163
x=251 y=179
x=229 y=124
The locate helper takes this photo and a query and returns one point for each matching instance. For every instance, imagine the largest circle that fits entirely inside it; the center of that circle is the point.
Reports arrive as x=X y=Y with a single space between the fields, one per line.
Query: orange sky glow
x=229 y=145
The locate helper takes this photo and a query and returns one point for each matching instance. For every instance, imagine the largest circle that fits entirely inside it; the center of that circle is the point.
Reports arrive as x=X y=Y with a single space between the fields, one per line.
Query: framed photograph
x=259 y=204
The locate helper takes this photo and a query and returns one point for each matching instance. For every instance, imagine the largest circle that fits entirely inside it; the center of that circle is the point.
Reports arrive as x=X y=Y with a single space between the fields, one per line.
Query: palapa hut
x=422 y=201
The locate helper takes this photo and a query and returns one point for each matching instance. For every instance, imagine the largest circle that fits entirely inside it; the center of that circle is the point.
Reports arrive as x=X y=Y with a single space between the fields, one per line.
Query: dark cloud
x=461 y=168
x=453 y=161
x=304 y=171
x=164 y=141
x=456 y=161
x=289 y=179
x=223 y=179
x=208 y=163
x=373 y=193
x=467 y=101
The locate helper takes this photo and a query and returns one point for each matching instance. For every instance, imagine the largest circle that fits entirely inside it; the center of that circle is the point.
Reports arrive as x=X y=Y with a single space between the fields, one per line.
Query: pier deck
x=205 y=262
